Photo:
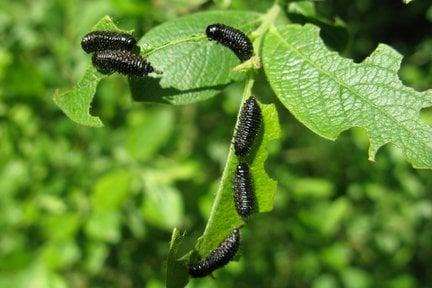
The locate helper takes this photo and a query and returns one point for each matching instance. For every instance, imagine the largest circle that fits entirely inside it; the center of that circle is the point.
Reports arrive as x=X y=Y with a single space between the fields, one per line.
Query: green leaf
x=224 y=217
x=111 y=190
x=76 y=102
x=60 y=254
x=330 y=94
x=177 y=274
x=148 y=131
x=95 y=255
x=163 y=204
x=69 y=222
x=311 y=188
x=355 y=278
x=325 y=281
x=193 y=67
x=104 y=226
x=306 y=8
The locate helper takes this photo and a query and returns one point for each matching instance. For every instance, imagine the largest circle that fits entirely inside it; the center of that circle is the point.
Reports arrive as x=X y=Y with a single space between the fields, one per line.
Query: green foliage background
x=85 y=207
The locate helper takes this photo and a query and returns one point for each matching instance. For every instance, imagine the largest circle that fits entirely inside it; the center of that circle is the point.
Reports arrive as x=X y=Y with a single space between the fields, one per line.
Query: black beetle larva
x=247 y=129
x=121 y=61
x=218 y=257
x=96 y=41
x=232 y=38
x=244 y=196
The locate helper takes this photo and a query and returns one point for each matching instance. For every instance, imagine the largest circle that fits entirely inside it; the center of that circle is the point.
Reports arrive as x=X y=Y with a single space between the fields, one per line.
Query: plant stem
x=247 y=92
x=259 y=33
x=267 y=20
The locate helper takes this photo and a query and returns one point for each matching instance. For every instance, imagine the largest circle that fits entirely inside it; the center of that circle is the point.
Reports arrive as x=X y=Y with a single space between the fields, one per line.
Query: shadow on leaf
x=149 y=90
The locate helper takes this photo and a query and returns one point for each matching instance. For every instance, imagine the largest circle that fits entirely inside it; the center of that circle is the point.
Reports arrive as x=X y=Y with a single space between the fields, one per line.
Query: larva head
x=213 y=30
x=199 y=269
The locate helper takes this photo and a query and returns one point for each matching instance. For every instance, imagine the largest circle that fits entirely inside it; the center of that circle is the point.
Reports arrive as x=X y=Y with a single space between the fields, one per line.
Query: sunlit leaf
x=330 y=94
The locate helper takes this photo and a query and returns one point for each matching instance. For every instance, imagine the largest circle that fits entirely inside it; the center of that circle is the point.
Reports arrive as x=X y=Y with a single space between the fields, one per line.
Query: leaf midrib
x=197 y=37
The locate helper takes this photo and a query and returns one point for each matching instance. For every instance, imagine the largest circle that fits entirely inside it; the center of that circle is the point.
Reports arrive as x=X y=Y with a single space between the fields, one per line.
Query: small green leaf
x=148 y=131
x=76 y=102
x=356 y=278
x=177 y=275
x=111 y=190
x=60 y=254
x=193 y=67
x=224 y=217
x=163 y=204
x=50 y=224
x=306 y=8
x=104 y=226
x=330 y=94
x=96 y=253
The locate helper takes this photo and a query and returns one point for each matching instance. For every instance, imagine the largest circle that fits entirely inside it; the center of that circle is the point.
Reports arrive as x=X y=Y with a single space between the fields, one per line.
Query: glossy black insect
x=121 y=61
x=232 y=38
x=96 y=41
x=218 y=257
x=244 y=195
x=247 y=129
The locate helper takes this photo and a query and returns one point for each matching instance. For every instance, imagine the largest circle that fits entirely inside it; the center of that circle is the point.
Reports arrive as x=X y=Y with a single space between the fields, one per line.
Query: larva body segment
x=247 y=128
x=96 y=41
x=232 y=38
x=218 y=257
x=244 y=195
x=121 y=61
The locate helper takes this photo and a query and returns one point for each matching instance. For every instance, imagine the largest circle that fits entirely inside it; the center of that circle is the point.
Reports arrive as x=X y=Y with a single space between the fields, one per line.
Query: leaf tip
x=86 y=120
